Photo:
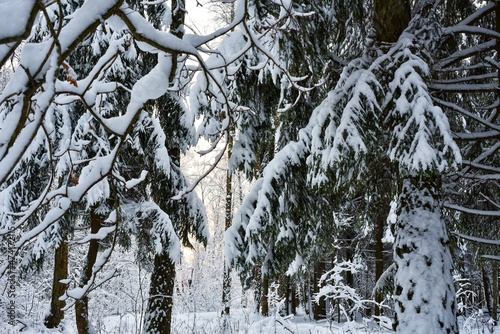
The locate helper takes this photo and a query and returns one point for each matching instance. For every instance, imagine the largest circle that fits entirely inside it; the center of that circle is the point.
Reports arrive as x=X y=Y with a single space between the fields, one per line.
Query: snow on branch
x=34 y=94
x=37 y=69
x=451 y=87
x=276 y=171
x=236 y=250
x=467 y=113
x=336 y=125
x=490 y=213
x=421 y=139
x=462 y=28
x=256 y=216
x=163 y=232
x=478 y=14
x=350 y=119
x=481 y=166
x=25 y=12
x=465 y=53
x=334 y=288
x=476 y=239
x=488 y=152
x=94 y=282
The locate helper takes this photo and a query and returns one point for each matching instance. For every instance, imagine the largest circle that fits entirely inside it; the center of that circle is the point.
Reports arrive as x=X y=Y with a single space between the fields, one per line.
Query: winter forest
x=314 y=166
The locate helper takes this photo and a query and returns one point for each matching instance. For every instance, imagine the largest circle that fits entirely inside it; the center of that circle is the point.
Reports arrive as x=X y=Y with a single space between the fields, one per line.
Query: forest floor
x=244 y=322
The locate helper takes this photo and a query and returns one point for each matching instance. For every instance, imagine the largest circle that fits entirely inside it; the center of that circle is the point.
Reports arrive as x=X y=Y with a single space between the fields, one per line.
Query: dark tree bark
x=494 y=311
x=83 y=324
x=158 y=318
x=287 y=289
x=226 y=280
x=293 y=298
x=60 y=272
x=383 y=180
x=226 y=292
x=486 y=289
x=306 y=296
x=319 y=308
x=264 y=301
x=177 y=28
x=349 y=255
x=257 y=292
x=391 y=17
x=379 y=257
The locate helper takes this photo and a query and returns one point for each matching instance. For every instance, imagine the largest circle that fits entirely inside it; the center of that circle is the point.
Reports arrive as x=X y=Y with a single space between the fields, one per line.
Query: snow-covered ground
x=242 y=321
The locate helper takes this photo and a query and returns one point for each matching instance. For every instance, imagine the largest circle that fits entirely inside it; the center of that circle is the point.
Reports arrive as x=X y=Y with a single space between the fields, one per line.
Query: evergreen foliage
x=344 y=120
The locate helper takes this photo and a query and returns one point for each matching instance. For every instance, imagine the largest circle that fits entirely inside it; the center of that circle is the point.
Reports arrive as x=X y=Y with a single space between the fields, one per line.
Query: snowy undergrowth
x=119 y=306
x=121 y=312
x=243 y=321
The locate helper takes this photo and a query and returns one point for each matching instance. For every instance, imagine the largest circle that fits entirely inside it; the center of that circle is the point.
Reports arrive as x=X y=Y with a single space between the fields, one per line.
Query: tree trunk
x=384 y=187
x=264 y=301
x=486 y=289
x=83 y=324
x=226 y=292
x=349 y=277
x=379 y=258
x=494 y=311
x=283 y=291
x=158 y=317
x=60 y=272
x=288 y=295
x=293 y=298
x=349 y=255
x=424 y=289
x=391 y=17
x=226 y=280
x=307 y=293
x=286 y=290
x=177 y=29
x=257 y=291
x=319 y=308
